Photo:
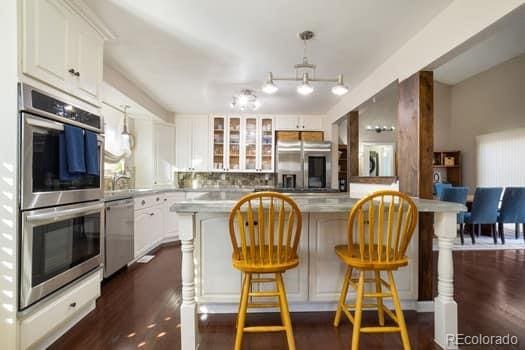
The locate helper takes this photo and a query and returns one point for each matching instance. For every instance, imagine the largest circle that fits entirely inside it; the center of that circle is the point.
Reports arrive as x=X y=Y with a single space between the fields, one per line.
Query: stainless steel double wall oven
x=61 y=226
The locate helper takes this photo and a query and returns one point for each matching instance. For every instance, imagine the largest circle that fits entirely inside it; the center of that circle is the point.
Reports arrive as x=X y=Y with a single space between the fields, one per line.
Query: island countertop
x=223 y=202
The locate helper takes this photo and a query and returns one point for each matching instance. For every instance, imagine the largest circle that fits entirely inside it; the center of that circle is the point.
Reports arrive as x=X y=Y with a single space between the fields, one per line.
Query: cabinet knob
x=143 y=202
x=71 y=71
x=158 y=199
x=77 y=74
x=151 y=214
x=73 y=304
x=165 y=199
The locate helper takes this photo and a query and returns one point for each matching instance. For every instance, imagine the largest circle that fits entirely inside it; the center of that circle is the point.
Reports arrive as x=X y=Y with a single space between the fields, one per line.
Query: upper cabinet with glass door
x=234 y=144
x=266 y=145
x=250 y=144
x=218 y=152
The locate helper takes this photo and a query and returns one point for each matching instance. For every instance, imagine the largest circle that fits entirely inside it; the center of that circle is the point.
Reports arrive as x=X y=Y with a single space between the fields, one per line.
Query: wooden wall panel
x=353 y=144
x=415 y=142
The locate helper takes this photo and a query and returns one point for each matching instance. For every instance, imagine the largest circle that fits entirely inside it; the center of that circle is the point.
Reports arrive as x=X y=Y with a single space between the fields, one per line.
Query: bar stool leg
x=242 y=310
x=380 y=312
x=358 y=311
x=342 y=297
x=284 y=312
x=399 y=312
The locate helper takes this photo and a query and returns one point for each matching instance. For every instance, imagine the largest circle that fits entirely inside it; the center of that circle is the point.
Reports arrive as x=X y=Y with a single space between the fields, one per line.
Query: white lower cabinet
x=59 y=313
x=154 y=222
x=170 y=218
x=326 y=270
x=148 y=229
x=222 y=283
x=218 y=281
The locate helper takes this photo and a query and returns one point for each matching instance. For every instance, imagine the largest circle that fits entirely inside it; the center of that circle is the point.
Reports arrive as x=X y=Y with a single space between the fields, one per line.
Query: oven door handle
x=64 y=214
x=44 y=123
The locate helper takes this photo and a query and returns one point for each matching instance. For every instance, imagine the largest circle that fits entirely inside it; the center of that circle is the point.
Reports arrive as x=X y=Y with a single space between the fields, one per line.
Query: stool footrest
x=264 y=294
x=263 y=280
x=263 y=305
x=381 y=329
x=378 y=295
x=263 y=329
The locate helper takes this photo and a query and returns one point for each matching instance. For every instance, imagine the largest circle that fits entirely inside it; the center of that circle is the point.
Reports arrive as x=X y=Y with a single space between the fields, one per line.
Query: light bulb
x=243 y=100
x=339 y=90
x=256 y=105
x=269 y=88
x=305 y=89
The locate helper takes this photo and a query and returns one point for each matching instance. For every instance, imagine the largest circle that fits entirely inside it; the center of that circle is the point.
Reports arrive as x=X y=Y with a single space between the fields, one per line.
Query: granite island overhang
x=211 y=284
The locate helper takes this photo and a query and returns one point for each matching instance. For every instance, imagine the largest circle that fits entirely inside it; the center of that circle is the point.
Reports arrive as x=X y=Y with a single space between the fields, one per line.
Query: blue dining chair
x=438 y=188
x=458 y=195
x=512 y=210
x=484 y=210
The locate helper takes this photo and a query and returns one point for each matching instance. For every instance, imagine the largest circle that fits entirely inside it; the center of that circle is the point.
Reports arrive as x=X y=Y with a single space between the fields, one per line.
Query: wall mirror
x=371 y=131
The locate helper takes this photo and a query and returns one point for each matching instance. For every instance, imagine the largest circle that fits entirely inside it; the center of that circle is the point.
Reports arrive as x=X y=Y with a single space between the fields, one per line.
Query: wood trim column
x=415 y=143
x=352 y=150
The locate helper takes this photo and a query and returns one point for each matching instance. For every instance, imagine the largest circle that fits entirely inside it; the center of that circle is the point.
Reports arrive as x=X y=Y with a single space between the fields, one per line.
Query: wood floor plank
x=139 y=308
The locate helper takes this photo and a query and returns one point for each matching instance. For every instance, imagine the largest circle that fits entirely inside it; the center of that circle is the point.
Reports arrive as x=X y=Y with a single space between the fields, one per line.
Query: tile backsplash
x=205 y=179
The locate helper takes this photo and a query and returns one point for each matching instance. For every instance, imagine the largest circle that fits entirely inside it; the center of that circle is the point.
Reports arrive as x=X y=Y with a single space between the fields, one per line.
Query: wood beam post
x=352 y=150
x=415 y=144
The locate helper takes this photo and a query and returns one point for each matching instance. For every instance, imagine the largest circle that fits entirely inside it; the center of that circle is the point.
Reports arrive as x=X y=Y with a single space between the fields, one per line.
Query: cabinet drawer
x=147 y=201
x=59 y=310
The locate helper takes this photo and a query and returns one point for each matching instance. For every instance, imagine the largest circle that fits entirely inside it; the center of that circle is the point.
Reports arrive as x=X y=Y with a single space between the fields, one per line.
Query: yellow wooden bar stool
x=380 y=227
x=268 y=227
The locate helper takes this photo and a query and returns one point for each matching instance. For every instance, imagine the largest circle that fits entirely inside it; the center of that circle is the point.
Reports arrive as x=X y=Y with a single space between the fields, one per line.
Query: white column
x=188 y=310
x=445 y=308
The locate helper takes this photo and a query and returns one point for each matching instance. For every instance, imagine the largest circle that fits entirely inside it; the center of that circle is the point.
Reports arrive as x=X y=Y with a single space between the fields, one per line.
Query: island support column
x=189 y=336
x=445 y=308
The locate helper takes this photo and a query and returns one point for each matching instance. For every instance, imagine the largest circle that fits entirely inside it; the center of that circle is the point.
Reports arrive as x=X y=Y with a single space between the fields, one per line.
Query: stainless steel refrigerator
x=303 y=164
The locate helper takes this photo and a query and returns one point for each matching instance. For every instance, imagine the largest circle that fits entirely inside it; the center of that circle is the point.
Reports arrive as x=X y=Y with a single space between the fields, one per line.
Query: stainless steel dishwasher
x=118 y=246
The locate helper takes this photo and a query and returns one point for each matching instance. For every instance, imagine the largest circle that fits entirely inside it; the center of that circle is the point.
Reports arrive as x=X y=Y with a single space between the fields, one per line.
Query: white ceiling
x=499 y=43
x=192 y=56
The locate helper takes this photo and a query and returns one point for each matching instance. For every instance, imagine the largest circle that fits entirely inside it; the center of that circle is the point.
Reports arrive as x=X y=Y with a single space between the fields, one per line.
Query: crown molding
x=80 y=7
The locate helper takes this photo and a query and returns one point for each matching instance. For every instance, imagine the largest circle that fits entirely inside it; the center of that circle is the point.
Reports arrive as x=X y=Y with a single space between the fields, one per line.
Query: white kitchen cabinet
x=226 y=143
x=311 y=122
x=148 y=229
x=61 y=49
x=326 y=270
x=164 y=157
x=191 y=144
x=296 y=122
x=88 y=60
x=170 y=218
x=242 y=144
x=46 y=47
x=183 y=143
x=222 y=282
x=154 y=153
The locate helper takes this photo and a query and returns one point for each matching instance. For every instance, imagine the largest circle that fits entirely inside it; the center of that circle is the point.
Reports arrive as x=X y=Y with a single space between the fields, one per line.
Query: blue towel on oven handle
x=75 y=154
x=63 y=172
x=92 y=154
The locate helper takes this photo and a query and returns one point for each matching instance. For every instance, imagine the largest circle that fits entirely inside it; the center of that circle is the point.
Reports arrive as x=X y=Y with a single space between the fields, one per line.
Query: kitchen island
x=211 y=284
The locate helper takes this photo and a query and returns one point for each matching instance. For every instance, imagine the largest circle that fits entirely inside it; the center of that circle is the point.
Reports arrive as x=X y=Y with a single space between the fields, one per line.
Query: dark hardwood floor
x=139 y=308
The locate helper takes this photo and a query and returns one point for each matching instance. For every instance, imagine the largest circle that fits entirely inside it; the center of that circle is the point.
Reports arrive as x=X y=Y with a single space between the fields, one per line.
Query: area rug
x=487 y=242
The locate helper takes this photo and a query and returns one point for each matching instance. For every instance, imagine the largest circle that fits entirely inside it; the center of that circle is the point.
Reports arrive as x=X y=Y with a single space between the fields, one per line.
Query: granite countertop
x=222 y=202
x=138 y=192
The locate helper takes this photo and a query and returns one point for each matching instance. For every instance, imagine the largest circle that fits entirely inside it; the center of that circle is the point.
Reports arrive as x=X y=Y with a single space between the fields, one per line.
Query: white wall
x=442 y=115
x=460 y=21
x=491 y=101
x=8 y=174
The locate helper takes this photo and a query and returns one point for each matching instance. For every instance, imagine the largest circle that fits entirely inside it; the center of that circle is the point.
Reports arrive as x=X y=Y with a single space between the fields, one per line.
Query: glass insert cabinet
x=242 y=143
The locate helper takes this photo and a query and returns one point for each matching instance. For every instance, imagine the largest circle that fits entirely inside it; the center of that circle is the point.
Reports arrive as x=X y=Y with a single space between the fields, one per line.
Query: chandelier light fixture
x=380 y=129
x=245 y=101
x=305 y=73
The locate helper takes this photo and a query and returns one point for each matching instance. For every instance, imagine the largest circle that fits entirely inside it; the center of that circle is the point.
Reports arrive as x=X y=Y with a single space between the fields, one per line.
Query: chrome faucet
x=116 y=178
